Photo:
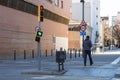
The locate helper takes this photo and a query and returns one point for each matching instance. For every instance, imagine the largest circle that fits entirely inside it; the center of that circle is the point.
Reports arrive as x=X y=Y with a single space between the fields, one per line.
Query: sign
x=83 y=26
x=37 y=28
x=82 y=33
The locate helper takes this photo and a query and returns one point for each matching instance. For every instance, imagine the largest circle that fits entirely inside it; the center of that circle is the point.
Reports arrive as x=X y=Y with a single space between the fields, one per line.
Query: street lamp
x=82 y=1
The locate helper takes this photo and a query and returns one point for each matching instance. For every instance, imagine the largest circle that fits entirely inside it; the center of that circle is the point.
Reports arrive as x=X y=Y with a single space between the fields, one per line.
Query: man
x=87 y=50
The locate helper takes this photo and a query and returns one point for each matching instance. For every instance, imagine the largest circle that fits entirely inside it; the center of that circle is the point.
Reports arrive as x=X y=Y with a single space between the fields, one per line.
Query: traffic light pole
x=39 y=50
x=39 y=34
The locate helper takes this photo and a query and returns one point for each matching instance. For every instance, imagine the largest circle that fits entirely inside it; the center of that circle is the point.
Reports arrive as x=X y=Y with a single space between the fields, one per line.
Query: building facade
x=77 y=14
x=95 y=20
x=75 y=40
x=92 y=16
x=18 y=21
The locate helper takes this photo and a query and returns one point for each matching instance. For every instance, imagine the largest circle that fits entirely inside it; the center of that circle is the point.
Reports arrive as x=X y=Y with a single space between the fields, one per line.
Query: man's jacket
x=87 y=44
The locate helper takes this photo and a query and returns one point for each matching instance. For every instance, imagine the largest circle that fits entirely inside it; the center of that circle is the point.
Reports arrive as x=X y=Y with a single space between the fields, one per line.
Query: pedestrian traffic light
x=37 y=39
x=39 y=33
x=41 y=13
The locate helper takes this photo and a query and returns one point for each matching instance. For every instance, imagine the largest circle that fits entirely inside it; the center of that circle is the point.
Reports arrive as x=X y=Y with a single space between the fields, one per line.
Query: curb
x=44 y=72
x=117 y=75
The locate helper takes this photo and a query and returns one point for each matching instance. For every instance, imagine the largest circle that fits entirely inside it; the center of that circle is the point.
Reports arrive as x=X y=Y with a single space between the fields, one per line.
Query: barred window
x=56 y=2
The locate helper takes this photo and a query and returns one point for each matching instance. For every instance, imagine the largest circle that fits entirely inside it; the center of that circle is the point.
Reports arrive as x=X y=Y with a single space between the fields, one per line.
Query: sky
x=107 y=7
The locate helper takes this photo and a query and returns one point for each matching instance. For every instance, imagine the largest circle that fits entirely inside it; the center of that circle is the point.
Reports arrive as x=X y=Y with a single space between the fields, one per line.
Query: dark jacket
x=87 y=44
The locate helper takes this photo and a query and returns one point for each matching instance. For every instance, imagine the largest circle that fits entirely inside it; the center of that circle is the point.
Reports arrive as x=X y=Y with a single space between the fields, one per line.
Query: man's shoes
x=91 y=64
x=84 y=64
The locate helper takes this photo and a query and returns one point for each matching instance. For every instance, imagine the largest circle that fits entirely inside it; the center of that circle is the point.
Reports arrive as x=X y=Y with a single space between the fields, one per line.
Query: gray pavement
x=74 y=69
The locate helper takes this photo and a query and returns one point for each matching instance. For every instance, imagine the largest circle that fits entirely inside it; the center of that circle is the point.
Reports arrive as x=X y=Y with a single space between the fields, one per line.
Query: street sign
x=37 y=28
x=82 y=33
x=83 y=26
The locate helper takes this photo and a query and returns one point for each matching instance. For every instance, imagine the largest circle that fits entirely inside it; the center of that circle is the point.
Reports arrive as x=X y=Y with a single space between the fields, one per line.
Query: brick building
x=18 y=21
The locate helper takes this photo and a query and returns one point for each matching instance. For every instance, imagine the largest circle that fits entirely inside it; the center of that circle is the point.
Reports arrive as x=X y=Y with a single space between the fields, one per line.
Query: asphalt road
x=102 y=68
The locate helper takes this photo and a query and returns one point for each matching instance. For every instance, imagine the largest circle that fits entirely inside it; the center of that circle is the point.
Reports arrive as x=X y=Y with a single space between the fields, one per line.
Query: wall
x=17 y=32
x=61 y=42
x=74 y=40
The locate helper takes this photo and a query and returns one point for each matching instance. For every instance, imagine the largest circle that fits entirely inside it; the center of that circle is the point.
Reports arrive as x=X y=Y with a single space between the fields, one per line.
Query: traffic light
x=37 y=39
x=39 y=33
x=41 y=13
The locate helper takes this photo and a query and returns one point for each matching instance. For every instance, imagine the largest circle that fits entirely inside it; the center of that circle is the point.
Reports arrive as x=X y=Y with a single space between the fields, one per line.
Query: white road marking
x=43 y=77
x=115 y=78
x=116 y=61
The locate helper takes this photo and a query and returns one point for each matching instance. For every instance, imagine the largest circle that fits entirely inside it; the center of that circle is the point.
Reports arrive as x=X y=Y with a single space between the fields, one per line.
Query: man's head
x=87 y=37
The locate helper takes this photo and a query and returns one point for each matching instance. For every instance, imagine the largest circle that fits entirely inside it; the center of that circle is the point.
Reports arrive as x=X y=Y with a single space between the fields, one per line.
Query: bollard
x=75 y=53
x=79 y=52
x=70 y=53
x=33 y=54
x=24 y=54
x=14 y=54
x=51 y=52
x=46 y=52
x=65 y=53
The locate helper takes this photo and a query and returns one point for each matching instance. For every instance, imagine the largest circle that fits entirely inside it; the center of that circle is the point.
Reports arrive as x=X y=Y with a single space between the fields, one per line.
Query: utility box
x=60 y=56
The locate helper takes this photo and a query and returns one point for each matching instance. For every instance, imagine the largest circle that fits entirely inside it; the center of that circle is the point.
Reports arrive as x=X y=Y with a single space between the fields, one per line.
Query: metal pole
x=39 y=59
x=82 y=19
x=83 y=10
x=39 y=51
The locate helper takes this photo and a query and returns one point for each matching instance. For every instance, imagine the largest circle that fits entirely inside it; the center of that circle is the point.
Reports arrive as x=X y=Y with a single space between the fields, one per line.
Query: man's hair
x=87 y=37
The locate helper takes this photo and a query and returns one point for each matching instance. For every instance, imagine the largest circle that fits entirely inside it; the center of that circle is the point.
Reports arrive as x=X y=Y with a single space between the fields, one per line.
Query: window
x=13 y=4
x=4 y=2
x=21 y=5
x=61 y=4
x=50 y=1
x=96 y=16
x=96 y=23
x=56 y=2
x=96 y=8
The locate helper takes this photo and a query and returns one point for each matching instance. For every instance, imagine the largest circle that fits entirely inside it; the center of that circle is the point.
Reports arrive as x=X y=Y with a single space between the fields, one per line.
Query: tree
x=116 y=33
x=107 y=37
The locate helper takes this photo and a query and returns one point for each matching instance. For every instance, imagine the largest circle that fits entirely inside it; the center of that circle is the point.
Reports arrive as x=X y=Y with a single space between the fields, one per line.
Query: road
x=104 y=68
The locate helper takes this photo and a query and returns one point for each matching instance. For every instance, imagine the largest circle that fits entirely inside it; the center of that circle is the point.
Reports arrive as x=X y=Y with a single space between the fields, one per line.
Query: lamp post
x=82 y=1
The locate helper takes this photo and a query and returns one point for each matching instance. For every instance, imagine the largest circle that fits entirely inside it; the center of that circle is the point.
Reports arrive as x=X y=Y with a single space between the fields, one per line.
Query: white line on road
x=43 y=77
x=115 y=78
x=116 y=61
